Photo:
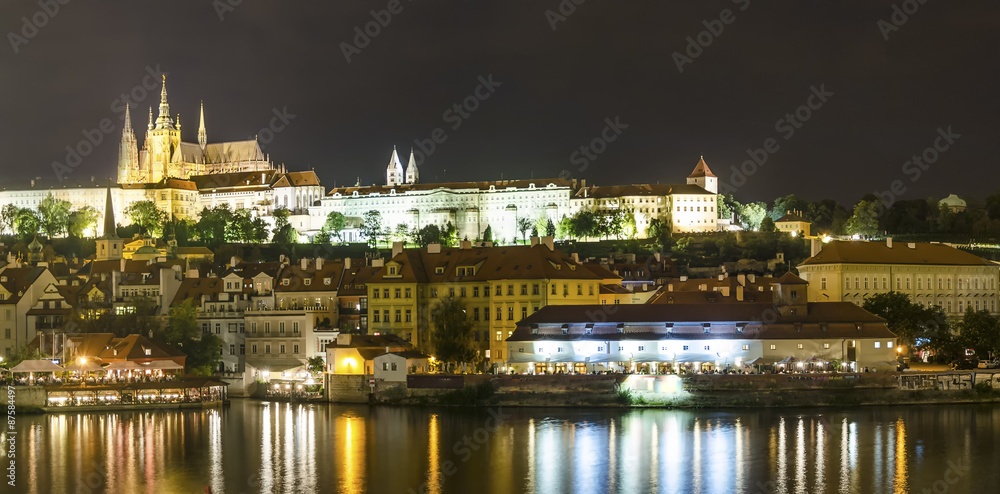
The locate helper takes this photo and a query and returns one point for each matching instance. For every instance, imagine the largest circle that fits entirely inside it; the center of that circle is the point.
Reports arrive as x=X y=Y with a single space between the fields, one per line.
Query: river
x=255 y=446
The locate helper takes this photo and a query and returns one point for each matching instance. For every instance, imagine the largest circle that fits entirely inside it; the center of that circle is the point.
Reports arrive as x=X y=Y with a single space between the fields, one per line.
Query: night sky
x=556 y=88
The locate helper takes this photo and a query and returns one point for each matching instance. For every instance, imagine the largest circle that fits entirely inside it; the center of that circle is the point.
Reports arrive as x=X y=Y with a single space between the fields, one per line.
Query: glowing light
x=351 y=362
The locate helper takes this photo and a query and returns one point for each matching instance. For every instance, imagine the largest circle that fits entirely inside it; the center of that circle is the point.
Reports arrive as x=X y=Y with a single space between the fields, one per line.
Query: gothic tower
x=109 y=246
x=703 y=177
x=161 y=140
x=412 y=173
x=202 y=134
x=394 y=172
x=128 y=154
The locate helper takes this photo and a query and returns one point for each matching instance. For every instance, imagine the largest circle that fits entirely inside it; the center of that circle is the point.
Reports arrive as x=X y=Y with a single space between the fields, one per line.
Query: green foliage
x=550 y=228
x=488 y=234
x=980 y=331
x=907 y=320
x=26 y=223
x=371 y=227
x=211 y=227
x=751 y=214
x=582 y=224
x=182 y=331
x=523 y=225
x=245 y=227
x=81 y=220
x=452 y=331
x=284 y=234
x=864 y=221
x=147 y=216
x=53 y=215
x=767 y=225
x=316 y=365
x=8 y=214
x=333 y=226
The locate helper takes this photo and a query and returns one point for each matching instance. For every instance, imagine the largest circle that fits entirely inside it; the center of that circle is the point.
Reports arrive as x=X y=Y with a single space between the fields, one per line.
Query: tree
x=427 y=235
x=751 y=214
x=582 y=224
x=284 y=234
x=53 y=215
x=149 y=217
x=783 y=205
x=980 y=331
x=316 y=365
x=912 y=323
x=8 y=214
x=334 y=224
x=81 y=220
x=371 y=227
x=864 y=221
x=659 y=232
x=211 y=227
x=488 y=234
x=140 y=318
x=452 y=331
x=202 y=349
x=523 y=224
x=26 y=223
x=550 y=228
x=767 y=225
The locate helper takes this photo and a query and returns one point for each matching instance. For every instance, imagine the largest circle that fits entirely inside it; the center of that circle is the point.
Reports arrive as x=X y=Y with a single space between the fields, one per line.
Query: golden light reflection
x=781 y=480
x=433 y=456
x=352 y=430
x=900 y=483
x=821 y=431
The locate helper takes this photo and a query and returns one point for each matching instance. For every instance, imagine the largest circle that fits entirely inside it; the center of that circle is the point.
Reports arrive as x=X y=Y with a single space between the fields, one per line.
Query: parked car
x=989 y=364
x=964 y=364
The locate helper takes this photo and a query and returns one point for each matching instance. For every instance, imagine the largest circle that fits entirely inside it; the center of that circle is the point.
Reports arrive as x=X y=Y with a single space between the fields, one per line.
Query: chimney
x=433 y=248
x=816 y=245
x=722 y=277
x=319 y=263
x=739 y=293
x=752 y=277
x=534 y=241
x=741 y=279
x=233 y=261
x=576 y=258
x=656 y=255
x=347 y=263
x=122 y=268
x=466 y=244
x=888 y=242
x=702 y=287
x=192 y=273
x=378 y=262
x=548 y=242
x=911 y=245
x=303 y=263
x=397 y=248
x=670 y=287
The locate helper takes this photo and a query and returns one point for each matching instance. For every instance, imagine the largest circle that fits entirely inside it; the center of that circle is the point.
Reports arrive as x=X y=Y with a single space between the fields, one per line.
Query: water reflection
x=262 y=447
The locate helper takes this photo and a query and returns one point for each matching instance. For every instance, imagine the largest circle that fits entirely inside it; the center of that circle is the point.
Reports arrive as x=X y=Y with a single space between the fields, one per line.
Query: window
x=579 y=289
x=451 y=292
x=510 y=313
x=553 y=289
x=888 y=344
x=375 y=293
x=524 y=311
x=232 y=349
x=385 y=293
x=524 y=289
x=499 y=290
x=708 y=347
x=295 y=327
x=218 y=328
x=399 y=315
x=475 y=313
x=267 y=348
x=295 y=349
x=642 y=348
x=826 y=346
x=385 y=366
x=878 y=344
x=520 y=350
x=385 y=315
x=375 y=317
x=243 y=349
x=510 y=290
x=475 y=291
x=499 y=314
x=397 y=292
x=434 y=292
x=409 y=315
x=590 y=289
x=462 y=291
x=408 y=292
x=267 y=327
x=746 y=347
x=774 y=347
x=281 y=348
x=685 y=347
x=253 y=348
x=500 y=337
x=534 y=289
x=799 y=346
x=281 y=327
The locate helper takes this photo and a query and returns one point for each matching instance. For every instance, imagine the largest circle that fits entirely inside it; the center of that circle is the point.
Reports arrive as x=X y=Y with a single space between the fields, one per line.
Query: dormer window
x=307 y=281
x=706 y=327
x=534 y=329
x=392 y=270
x=565 y=329
x=149 y=351
x=740 y=327
x=670 y=328
x=621 y=328
x=589 y=329
x=284 y=282
x=439 y=270
x=326 y=281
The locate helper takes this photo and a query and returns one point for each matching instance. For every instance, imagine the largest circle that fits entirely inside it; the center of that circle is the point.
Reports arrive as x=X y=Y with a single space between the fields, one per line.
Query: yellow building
x=498 y=285
x=794 y=224
x=930 y=273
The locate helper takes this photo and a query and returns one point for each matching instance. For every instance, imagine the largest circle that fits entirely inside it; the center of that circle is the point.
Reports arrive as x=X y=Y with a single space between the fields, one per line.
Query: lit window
x=878 y=344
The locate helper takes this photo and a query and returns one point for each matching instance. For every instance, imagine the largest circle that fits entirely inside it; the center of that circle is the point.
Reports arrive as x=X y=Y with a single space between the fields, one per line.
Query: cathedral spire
x=202 y=135
x=110 y=231
x=150 y=124
x=128 y=122
x=394 y=172
x=163 y=120
x=412 y=174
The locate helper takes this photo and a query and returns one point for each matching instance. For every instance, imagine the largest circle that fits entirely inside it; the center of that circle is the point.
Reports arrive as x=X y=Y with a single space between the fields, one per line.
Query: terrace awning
x=122 y=365
x=788 y=360
x=87 y=366
x=163 y=365
x=36 y=366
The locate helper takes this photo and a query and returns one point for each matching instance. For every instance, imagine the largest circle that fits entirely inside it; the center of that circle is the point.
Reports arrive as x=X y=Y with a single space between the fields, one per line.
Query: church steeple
x=109 y=245
x=128 y=152
x=150 y=124
x=110 y=228
x=202 y=135
x=412 y=173
x=394 y=172
x=163 y=120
